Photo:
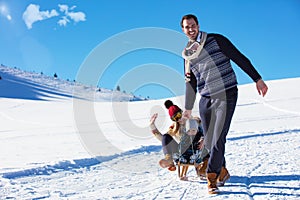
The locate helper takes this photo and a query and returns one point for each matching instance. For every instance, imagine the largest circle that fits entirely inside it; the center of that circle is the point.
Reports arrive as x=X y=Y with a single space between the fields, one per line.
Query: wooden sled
x=183 y=169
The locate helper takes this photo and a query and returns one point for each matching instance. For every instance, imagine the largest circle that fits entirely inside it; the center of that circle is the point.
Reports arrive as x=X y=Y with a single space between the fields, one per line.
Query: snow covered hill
x=48 y=152
x=20 y=84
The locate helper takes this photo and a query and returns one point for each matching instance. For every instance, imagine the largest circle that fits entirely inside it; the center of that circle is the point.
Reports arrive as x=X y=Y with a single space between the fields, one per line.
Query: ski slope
x=44 y=153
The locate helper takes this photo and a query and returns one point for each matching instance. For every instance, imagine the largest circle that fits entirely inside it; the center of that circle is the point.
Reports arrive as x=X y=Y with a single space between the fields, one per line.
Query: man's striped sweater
x=212 y=72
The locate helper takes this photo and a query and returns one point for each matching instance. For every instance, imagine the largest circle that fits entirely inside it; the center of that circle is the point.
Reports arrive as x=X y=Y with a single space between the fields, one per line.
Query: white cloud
x=63 y=21
x=75 y=16
x=33 y=14
x=63 y=8
x=4 y=12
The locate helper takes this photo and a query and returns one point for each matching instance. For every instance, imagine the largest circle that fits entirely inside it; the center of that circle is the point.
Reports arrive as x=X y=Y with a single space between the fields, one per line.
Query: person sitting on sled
x=170 y=140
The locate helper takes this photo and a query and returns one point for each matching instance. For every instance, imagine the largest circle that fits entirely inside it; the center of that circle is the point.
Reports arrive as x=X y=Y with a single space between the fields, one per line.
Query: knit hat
x=168 y=104
x=173 y=109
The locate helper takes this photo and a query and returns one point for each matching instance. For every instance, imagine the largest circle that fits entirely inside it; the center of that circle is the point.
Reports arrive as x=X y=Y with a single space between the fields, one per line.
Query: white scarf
x=195 y=54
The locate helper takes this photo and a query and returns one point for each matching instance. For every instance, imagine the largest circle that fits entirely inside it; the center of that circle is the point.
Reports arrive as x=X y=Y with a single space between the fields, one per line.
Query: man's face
x=190 y=28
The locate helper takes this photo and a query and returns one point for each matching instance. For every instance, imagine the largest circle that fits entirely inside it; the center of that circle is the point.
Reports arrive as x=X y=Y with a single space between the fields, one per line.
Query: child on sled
x=176 y=141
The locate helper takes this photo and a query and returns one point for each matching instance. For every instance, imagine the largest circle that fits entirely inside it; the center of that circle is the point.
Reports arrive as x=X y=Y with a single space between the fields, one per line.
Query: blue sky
x=60 y=36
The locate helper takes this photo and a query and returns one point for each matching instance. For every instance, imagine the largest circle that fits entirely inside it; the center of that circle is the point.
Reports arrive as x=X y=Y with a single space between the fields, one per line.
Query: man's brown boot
x=223 y=177
x=212 y=183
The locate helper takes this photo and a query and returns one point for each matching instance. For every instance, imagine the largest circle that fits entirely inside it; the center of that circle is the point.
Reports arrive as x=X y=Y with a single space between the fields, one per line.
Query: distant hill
x=19 y=84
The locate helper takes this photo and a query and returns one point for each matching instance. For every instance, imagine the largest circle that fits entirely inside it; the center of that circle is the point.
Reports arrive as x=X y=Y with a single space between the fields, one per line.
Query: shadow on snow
x=76 y=164
x=263 y=135
x=256 y=181
x=18 y=88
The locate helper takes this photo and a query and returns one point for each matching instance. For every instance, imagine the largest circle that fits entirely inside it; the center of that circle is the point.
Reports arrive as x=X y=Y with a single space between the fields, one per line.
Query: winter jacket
x=175 y=131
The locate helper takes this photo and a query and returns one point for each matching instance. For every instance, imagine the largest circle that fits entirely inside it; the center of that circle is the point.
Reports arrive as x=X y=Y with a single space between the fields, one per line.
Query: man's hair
x=189 y=16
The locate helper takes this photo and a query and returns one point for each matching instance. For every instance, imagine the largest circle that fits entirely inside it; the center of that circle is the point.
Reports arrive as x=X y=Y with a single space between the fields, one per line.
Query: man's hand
x=261 y=87
x=187 y=114
x=200 y=143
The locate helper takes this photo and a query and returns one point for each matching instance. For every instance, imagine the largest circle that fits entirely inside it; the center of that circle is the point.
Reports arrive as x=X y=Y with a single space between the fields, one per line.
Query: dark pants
x=169 y=145
x=216 y=113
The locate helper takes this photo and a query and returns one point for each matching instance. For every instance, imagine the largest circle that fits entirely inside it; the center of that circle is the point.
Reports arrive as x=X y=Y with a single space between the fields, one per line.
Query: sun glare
x=3 y=9
x=4 y=12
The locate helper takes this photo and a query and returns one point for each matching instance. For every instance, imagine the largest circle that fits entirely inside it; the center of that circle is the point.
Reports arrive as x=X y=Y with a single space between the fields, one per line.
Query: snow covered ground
x=48 y=152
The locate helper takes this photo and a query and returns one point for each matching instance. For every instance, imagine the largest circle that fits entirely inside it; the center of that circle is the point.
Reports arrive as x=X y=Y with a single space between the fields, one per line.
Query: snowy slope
x=20 y=84
x=44 y=154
